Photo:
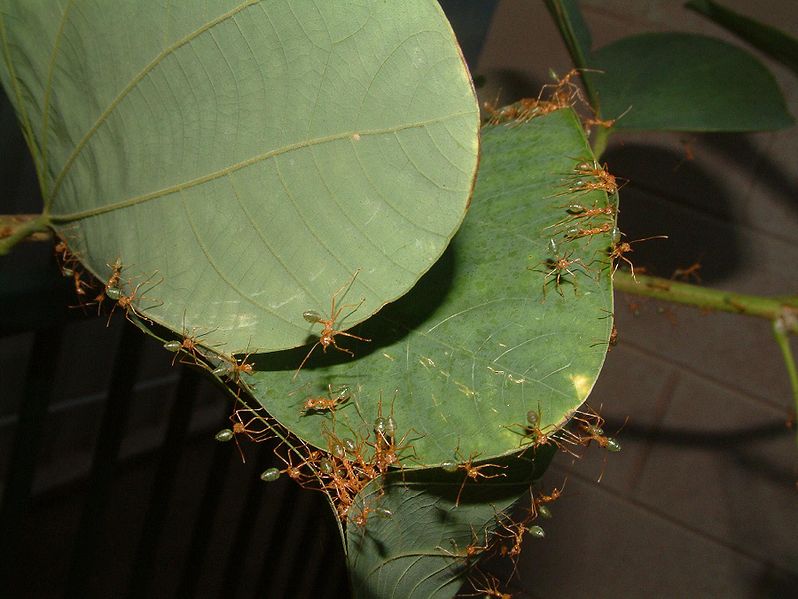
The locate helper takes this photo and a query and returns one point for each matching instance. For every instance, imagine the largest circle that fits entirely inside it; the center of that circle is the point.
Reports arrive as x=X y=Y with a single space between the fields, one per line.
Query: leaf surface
x=774 y=42
x=685 y=82
x=420 y=549
x=242 y=159
x=463 y=357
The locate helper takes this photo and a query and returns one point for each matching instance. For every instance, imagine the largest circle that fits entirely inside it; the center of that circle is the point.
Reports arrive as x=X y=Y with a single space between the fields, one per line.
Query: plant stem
x=562 y=19
x=16 y=227
x=780 y=328
x=599 y=143
x=774 y=309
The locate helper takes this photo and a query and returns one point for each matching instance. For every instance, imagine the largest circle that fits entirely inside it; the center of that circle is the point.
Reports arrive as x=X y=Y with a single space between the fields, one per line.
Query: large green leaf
x=243 y=159
x=463 y=357
x=677 y=81
x=772 y=41
x=419 y=547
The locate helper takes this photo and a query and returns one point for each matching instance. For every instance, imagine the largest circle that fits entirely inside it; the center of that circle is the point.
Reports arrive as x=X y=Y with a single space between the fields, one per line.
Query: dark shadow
x=738 y=149
x=391 y=324
x=666 y=195
x=735 y=443
x=506 y=86
x=774 y=583
x=470 y=20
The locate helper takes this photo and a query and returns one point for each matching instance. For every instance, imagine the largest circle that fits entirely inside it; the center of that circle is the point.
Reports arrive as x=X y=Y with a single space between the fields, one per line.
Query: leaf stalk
x=17 y=227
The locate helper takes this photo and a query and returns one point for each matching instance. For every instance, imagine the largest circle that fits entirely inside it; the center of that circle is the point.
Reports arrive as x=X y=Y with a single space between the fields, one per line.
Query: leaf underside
x=420 y=550
x=244 y=159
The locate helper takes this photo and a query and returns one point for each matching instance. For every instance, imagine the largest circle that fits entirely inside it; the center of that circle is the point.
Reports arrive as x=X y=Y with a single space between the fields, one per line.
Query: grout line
x=683 y=204
x=684 y=526
x=661 y=406
x=728 y=387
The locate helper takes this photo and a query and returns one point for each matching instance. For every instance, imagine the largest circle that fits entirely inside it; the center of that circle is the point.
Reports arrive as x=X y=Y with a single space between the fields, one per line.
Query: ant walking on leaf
x=233 y=369
x=329 y=332
x=576 y=233
x=189 y=344
x=126 y=302
x=490 y=588
x=579 y=212
x=331 y=402
x=473 y=472
x=559 y=265
x=590 y=176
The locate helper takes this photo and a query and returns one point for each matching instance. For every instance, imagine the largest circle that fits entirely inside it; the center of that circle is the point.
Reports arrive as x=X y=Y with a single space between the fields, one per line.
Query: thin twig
x=18 y=227
x=710 y=299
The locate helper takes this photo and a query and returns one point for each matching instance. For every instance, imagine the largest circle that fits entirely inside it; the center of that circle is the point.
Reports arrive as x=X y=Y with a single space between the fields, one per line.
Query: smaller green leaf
x=685 y=82
x=413 y=540
x=771 y=41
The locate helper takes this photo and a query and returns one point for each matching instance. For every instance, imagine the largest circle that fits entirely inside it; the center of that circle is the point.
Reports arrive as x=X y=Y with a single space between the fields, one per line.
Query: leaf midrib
x=128 y=88
x=178 y=187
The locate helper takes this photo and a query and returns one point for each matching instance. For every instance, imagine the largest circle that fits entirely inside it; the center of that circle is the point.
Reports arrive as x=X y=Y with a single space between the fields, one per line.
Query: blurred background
x=113 y=484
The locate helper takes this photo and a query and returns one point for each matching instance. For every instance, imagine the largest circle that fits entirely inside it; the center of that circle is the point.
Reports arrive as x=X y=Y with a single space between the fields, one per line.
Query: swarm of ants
x=349 y=463
x=506 y=537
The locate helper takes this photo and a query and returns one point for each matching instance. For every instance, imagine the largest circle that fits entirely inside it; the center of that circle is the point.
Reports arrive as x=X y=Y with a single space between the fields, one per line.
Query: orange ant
x=533 y=108
x=386 y=447
x=233 y=369
x=473 y=550
x=362 y=518
x=619 y=249
x=606 y=123
x=329 y=332
x=542 y=498
x=532 y=431
x=491 y=588
x=330 y=402
x=125 y=301
x=594 y=432
x=474 y=473
x=500 y=115
x=262 y=433
x=613 y=338
x=561 y=94
x=603 y=180
x=591 y=424
x=294 y=472
x=578 y=211
x=116 y=273
x=565 y=92
x=515 y=532
x=559 y=265
x=576 y=233
x=189 y=344
x=691 y=272
x=111 y=287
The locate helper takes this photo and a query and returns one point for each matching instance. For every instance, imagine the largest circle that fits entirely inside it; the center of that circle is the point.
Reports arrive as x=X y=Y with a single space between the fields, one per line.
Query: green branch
x=773 y=309
x=781 y=311
x=15 y=228
x=781 y=326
